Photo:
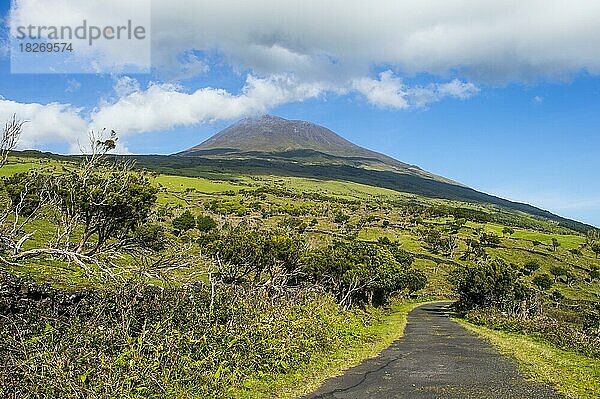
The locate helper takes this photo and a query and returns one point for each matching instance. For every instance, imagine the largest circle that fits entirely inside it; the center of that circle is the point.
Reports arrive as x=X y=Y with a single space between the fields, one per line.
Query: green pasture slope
x=368 y=207
x=325 y=209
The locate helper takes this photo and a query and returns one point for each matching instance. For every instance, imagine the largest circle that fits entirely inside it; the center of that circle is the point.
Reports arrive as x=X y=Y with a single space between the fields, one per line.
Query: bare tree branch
x=10 y=137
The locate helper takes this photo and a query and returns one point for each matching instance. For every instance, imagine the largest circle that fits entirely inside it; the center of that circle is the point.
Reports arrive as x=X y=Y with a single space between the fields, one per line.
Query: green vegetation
x=139 y=340
x=257 y=284
x=575 y=376
x=184 y=222
x=378 y=336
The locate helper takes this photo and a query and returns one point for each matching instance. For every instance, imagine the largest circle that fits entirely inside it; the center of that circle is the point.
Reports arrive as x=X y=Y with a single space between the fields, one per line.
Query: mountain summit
x=270 y=135
x=274 y=134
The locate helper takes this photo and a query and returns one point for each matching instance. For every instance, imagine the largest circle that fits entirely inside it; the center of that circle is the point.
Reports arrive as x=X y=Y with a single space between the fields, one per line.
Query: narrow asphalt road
x=436 y=359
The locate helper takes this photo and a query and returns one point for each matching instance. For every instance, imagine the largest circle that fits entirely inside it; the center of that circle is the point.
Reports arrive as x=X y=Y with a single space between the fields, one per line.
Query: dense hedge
x=137 y=340
x=355 y=272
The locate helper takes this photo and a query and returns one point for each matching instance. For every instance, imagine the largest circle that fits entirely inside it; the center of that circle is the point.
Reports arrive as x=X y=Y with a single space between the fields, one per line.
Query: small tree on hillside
x=555 y=243
x=451 y=242
x=489 y=240
x=570 y=278
x=508 y=231
x=98 y=206
x=489 y=284
x=341 y=218
x=95 y=206
x=591 y=237
x=596 y=248
x=459 y=223
x=557 y=296
x=10 y=137
x=543 y=281
x=184 y=222
x=268 y=258
x=205 y=223
x=358 y=273
x=531 y=266
x=557 y=271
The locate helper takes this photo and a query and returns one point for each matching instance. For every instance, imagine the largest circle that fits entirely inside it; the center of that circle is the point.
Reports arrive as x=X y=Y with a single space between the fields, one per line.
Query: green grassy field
x=324 y=211
x=373 y=207
x=179 y=184
x=16 y=165
x=567 y=241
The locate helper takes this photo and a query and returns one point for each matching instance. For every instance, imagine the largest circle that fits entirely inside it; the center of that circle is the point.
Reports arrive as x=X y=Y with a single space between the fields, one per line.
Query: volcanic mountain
x=272 y=145
x=274 y=134
x=274 y=137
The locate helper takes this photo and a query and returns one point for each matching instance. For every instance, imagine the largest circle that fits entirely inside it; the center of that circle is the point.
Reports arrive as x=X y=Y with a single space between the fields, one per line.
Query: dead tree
x=10 y=137
x=55 y=194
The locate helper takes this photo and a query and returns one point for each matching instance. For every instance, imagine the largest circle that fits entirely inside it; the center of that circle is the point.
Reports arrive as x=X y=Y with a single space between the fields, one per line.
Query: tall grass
x=136 y=340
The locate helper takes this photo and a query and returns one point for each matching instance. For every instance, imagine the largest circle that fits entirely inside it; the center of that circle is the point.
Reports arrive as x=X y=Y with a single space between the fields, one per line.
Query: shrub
x=557 y=296
x=249 y=255
x=554 y=331
x=596 y=248
x=557 y=271
x=133 y=340
x=228 y=207
x=205 y=223
x=184 y=222
x=106 y=203
x=489 y=240
x=151 y=236
x=359 y=273
x=508 y=230
x=341 y=218
x=489 y=284
x=544 y=281
x=532 y=266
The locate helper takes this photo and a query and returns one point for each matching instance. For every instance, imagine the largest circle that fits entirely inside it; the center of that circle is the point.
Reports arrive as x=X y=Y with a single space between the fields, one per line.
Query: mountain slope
x=273 y=145
x=295 y=139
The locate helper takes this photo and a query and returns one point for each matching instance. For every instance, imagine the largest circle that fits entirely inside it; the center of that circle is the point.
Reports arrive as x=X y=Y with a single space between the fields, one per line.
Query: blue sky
x=515 y=115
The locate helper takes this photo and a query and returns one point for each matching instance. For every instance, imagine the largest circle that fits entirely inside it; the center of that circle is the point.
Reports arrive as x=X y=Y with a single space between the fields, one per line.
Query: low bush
x=136 y=340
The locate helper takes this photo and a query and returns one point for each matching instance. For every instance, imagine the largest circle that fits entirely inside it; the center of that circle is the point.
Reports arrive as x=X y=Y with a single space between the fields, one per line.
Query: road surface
x=436 y=359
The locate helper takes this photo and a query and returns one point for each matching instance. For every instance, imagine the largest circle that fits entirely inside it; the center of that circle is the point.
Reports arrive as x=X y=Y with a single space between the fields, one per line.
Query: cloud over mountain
x=338 y=40
x=294 y=50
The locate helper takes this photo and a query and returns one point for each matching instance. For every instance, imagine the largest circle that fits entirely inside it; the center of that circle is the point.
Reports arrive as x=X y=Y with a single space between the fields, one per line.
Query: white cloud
x=188 y=67
x=294 y=50
x=338 y=40
x=47 y=123
x=538 y=99
x=126 y=85
x=456 y=89
x=159 y=107
x=165 y=106
x=421 y=96
x=389 y=91
x=493 y=41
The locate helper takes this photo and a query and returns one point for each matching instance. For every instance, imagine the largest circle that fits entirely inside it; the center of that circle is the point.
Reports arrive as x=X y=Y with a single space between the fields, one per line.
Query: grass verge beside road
x=573 y=375
x=308 y=378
